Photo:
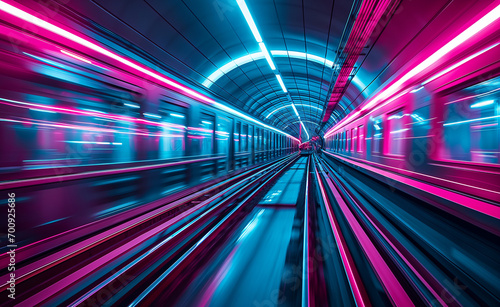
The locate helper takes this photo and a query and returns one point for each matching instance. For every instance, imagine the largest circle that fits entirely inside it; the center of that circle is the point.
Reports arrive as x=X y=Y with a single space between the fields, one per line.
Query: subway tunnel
x=250 y=153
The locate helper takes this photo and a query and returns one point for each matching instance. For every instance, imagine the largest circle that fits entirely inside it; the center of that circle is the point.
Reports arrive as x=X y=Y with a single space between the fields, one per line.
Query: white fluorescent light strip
x=458 y=64
x=249 y=19
x=216 y=75
x=283 y=87
x=268 y=57
x=246 y=12
x=486 y=20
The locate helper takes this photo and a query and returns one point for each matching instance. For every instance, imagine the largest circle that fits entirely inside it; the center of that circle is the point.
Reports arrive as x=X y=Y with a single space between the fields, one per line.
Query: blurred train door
x=223 y=136
x=251 y=143
x=231 y=146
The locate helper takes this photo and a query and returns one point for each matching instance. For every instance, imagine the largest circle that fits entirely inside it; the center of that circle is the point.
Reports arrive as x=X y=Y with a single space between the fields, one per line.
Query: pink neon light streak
x=368 y=17
x=76 y=56
x=391 y=284
x=350 y=268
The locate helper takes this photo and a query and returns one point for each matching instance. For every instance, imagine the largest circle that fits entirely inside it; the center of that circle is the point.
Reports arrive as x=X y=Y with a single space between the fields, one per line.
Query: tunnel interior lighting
x=276 y=110
x=206 y=122
x=248 y=17
x=445 y=71
x=481 y=104
x=228 y=67
x=268 y=57
x=151 y=115
x=253 y=27
x=280 y=80
x=299 y=105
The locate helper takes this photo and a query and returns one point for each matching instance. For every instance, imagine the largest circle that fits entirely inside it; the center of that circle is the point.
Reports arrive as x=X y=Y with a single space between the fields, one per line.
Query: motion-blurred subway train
x=91 y=138
x=441 y=127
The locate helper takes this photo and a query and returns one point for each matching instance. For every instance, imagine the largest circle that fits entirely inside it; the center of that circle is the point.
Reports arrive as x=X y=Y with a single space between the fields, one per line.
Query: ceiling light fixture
x=283 y=87
x=249 y=19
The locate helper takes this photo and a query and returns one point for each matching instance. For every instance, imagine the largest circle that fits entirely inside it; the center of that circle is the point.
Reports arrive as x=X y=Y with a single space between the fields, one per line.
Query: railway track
x=64 y=273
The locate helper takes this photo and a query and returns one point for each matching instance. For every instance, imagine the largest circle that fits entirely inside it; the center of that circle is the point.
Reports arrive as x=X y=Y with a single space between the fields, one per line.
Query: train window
x=265 y=140
x=341 y=141
x=344 y=140
x=250 y=138
x=244 y=137
x=348 y=140
x=206 y=134
x=172 y=139
x=377 y=131
x=361 y=138
x=354 y=139
x=236 y=137
x=397 y=133
x=256 y=139
x=271 y=140
x=222 y=133
x=471 y=121
x=420 y=122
